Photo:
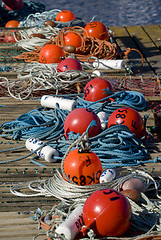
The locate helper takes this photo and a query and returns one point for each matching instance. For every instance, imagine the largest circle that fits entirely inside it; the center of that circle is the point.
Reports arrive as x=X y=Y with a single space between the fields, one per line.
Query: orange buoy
x=107 y=212
x=51 y=53
x=65 y=16
x=83 y=168
x=97 y=30
x=129 y=117
x=73 y=39
x=12 y=24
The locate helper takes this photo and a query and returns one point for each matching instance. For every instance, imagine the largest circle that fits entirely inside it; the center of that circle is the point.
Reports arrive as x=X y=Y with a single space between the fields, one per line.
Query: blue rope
x=115 y=146
x=45 y=124
x=132 y=99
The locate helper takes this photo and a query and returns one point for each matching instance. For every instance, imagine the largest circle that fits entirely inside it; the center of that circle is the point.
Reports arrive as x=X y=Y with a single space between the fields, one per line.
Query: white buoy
x=108 y=175
x=72 y=225
x=64 y=103
x=97 y=73
x=47 y=153
x=103 y=116
x=109 y=64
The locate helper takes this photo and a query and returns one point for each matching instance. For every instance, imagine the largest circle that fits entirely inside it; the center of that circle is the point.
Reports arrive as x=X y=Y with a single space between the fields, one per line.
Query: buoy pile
x=49 y=38
x=90 y=133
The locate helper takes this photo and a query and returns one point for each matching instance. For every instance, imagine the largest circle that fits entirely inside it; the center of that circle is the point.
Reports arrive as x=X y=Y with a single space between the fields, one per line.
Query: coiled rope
x=145 y=218
x=89 y=47
x=42 y=77
x=146 y=213
x=69 y=192
x=38 y=19
x=40 y=118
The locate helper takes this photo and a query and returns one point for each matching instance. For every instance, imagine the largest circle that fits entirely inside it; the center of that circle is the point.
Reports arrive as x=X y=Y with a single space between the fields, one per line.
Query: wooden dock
x=15 y=212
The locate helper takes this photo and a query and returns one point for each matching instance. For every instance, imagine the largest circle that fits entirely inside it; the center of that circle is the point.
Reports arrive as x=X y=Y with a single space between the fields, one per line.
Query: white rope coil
x=37 y=77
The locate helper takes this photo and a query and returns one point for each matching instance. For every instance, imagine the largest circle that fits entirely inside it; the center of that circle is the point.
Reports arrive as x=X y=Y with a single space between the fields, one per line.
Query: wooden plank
x=125 y=41
x=18 y=225
x=146 y=46
x=154 y=32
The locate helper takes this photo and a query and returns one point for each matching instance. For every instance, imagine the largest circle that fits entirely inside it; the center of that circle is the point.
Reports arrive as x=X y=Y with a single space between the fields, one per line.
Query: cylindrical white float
x=108 y=175
x=64 y=103
x=103 y=116
x=47 y=153
x=72 y=225
x=109 y=64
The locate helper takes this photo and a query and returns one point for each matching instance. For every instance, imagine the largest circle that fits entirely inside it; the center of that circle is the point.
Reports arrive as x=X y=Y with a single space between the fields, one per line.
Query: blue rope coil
x=133 y=99
x=115 y=146
x=47 y=124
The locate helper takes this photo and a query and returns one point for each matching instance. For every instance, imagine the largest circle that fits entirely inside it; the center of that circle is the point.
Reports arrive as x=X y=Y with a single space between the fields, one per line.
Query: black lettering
x=98 y=174
x=124 y=110
x=82 y=180
x=134 y=124
x=73 y=179
x=120 y=115
x=88 y=161
x=91 y=178
x=111 y=191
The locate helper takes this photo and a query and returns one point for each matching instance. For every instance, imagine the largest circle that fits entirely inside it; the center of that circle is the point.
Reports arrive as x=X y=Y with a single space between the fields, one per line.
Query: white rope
x=36 y=77
x=68 y=192
x=29 y=43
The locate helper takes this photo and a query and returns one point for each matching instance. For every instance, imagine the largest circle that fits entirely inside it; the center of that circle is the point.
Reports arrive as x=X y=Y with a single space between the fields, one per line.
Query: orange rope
x=128 y=51
x=89 y=47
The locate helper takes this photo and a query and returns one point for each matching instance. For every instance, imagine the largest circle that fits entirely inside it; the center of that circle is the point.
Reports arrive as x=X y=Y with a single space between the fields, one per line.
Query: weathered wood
x=154 y=32
x=19 y=225
x=146 y=46
x=125 y=41
x=15 y=221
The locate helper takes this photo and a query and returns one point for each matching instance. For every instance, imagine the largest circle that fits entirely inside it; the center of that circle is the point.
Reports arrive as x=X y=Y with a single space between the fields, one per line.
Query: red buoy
x=97 y=30
x=129 y=117
x=107 y=212
x=11 y=5
x=79 y=120
x=65 y=16
x=51 y=53
x=83 y=168
x=69 y=64
x=9 y=39
x=96 y=89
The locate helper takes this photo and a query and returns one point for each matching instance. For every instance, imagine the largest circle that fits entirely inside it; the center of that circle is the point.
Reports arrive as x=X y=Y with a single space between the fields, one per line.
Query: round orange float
x=83 y=168
x=129 y=117
x=65 y=16
x=51 y=53
x=73 y=39
x=97 y=30
x=69 y=64
x=12 y=24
